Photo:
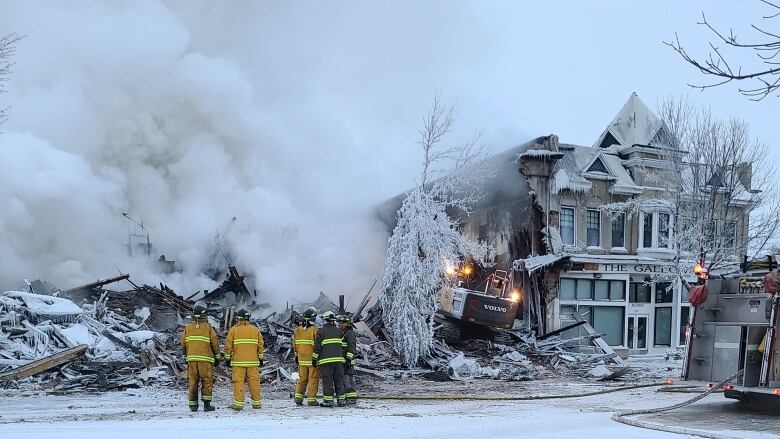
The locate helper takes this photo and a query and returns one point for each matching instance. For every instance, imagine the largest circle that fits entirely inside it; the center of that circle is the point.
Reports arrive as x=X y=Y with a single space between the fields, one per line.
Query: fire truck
x=469 y=313
x=734 y=332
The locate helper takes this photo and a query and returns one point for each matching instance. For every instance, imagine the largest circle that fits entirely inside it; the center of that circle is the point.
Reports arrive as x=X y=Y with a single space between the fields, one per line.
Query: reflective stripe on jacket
x=199 y=342
x=350 y=345
x=328 y=345
x=244 y=345
x=303 y=344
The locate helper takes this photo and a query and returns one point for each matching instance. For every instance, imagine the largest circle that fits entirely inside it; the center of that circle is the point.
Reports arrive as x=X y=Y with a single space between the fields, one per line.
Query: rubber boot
x=341 y=403
x=313 y=403
x=194 y=408
x=351 y=401
x=326 y=404
x=207 y=407
x=298 y=401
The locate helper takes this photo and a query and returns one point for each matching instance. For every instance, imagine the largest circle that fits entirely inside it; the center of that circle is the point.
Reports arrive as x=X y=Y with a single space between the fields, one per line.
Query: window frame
x=574 y=224
x=622 y=221
x=587 y=226
x=655 y=232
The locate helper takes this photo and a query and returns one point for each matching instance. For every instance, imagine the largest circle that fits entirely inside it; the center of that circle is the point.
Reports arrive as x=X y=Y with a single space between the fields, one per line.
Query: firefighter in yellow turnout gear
x=350 y=351
x=303 y=345
x=244 y=354
x=201 y=350
x=329 y=357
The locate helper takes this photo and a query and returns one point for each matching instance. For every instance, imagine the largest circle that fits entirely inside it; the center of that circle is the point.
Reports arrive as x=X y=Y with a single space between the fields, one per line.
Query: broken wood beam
x=44 y=364
x=558 y=331
x=100 y=283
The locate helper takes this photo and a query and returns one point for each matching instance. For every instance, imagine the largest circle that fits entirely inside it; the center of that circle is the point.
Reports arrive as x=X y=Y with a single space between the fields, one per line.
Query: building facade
x=614 y=268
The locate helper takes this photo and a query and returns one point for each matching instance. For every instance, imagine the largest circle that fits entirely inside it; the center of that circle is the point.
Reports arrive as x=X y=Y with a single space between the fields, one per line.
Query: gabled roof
x=634 y=124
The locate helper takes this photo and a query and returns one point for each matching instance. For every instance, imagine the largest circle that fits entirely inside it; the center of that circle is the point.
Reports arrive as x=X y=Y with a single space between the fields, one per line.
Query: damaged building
x=609 y=268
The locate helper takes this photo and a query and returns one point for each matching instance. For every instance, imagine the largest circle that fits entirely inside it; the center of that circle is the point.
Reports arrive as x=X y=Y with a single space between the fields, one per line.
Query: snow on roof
x=568 y=173
x=535 y=263
x=634 y=124
x=540 y=153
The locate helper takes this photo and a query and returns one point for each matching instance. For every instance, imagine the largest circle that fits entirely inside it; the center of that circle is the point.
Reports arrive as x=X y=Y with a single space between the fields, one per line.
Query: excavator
x=469 y=313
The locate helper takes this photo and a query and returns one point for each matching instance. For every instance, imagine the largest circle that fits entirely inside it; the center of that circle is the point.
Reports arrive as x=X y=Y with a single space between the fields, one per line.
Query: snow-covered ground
x=162 y=413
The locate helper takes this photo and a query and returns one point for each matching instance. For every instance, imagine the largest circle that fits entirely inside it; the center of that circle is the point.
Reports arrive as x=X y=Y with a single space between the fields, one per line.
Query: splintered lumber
x=558 y=331
x=598 y=341
x=44 y=364
x=99 y=283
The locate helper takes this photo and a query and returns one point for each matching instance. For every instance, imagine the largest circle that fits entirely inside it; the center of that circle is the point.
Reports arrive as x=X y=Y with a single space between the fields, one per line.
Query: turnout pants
x=308 y=382
x=250 y=375
x=199 y=373
x=349 y=383
x=332 y=375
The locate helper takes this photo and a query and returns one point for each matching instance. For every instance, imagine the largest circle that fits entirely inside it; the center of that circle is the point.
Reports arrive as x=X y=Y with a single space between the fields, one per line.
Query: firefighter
x=200 y=347
x=329 y=357
x=303 y=346
x=244 y=354
x=350 y=350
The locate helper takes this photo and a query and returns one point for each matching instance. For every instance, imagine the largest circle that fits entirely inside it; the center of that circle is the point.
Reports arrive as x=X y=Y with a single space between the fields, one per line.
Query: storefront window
x=663 y=326
x=584 y=289
x=567 y=225
x=684 y=315
x=567 y=289
x=602 y=290
x=617 y=290
x=609 y=320
x=664 y=292
x=639 y=292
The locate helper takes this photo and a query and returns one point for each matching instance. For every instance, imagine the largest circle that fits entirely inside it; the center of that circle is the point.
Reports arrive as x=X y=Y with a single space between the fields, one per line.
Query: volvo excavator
x=469 y=313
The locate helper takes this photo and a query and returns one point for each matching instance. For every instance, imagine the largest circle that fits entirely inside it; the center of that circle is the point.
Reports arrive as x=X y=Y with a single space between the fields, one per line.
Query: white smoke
x=296 y=118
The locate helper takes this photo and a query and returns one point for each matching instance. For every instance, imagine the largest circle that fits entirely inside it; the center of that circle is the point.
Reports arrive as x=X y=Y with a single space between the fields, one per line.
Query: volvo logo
x=495 y=308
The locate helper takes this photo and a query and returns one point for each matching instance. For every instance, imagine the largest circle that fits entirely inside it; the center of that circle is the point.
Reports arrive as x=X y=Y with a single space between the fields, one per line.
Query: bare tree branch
x=7 y=50
x=716 y=64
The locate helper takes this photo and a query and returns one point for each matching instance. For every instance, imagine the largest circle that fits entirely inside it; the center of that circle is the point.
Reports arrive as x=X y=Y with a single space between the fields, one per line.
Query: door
x=637 y=334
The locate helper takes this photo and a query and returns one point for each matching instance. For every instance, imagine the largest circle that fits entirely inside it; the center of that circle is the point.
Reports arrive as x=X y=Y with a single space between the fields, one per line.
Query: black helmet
x=328 y=316
x=344 y=319
x=310 y=313
x=243 y=314
x=200 y=309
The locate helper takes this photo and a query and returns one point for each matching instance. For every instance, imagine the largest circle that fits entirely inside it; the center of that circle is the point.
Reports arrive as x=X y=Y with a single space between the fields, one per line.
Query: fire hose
x=508 y=398
x=621 y=416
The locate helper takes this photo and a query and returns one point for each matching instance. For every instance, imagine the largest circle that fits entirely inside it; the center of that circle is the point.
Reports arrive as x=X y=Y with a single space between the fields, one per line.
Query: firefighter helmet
x=200 y=309
x=310 y=313
x=344 y=319
x=243 y=314
x=328 y=316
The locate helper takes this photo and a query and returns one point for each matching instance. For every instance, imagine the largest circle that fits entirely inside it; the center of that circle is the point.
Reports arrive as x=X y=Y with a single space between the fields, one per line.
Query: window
x=584 y=291
x=592 y=289
x=663 y=326
x=609 y=320
x=594 y=228
x=684 y=295
x=684 y=313
x=598 y=166
x=619 y=230
x=729 y=235
x=567 y=225
x=617 y=290
x=639 y=292
x=655 y=230
x=663 y=230
x=647 y=230
x=602 y=290
x=664 y=292
x=568 y=287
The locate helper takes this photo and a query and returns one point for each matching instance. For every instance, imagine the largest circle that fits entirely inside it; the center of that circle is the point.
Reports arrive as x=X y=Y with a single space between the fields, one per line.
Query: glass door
x=637 y=334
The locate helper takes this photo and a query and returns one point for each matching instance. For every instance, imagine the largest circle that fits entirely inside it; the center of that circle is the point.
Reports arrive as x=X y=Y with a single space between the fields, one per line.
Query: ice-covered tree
x=426 y=239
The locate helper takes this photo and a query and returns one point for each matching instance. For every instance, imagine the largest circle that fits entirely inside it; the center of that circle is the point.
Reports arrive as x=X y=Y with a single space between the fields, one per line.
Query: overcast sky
x=300 y=116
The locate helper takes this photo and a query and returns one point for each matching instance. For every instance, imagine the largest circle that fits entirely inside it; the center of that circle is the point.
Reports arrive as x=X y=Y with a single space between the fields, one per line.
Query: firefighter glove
x=296 y=360
x=261 y=363
x=314 y=362
x=216 y=361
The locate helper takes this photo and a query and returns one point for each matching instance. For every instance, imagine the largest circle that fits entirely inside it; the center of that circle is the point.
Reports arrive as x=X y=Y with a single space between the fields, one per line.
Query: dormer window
x=598 y=166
